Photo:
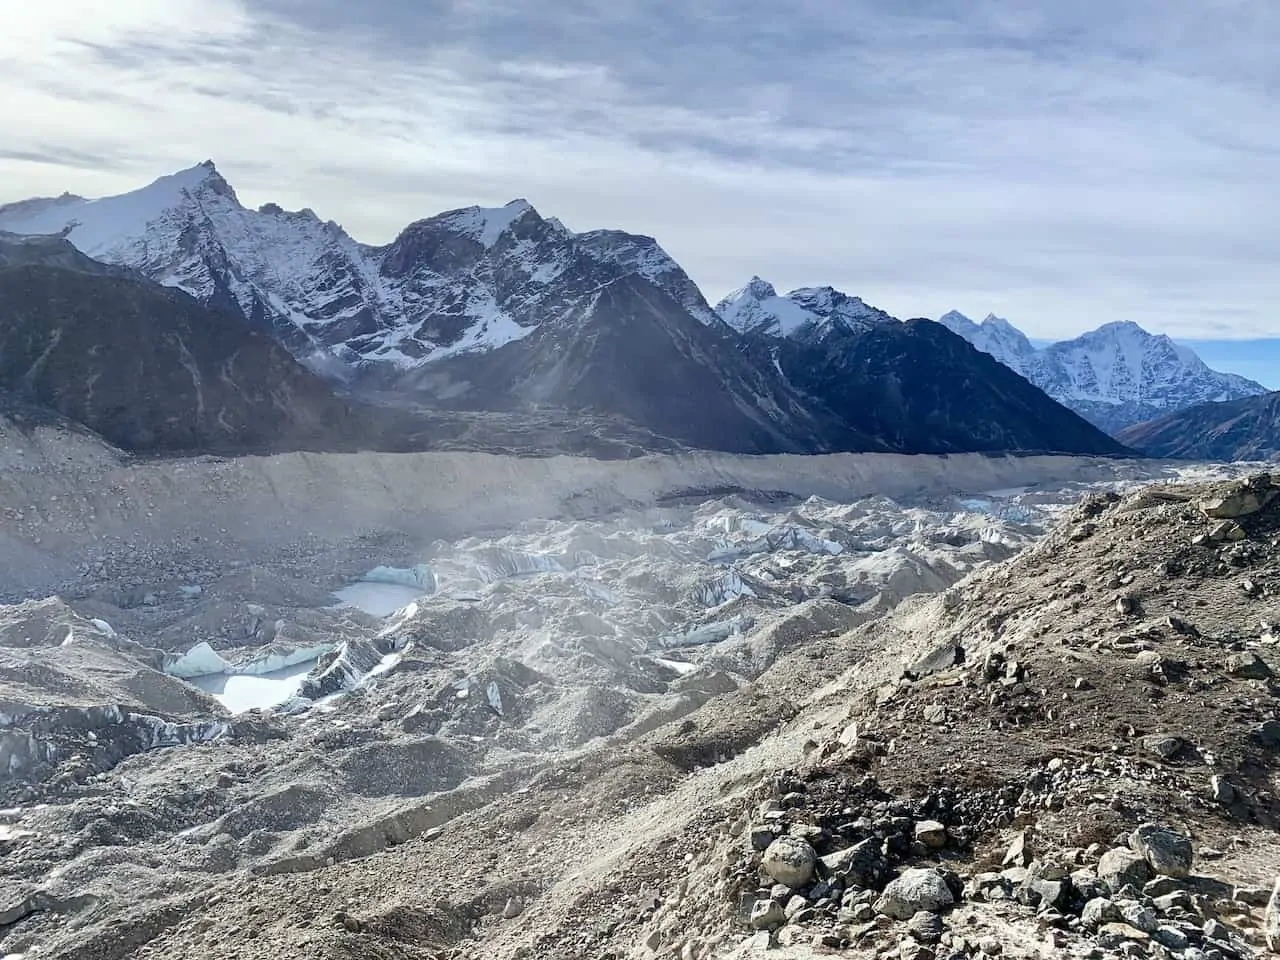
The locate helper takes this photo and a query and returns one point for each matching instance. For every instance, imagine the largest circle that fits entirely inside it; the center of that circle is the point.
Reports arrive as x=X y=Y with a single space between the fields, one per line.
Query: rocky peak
x=1115 y=376
x=643 y=256
x=757 y=308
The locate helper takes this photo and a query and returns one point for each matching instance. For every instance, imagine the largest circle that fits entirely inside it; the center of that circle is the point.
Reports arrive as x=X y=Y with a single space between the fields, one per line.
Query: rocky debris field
x=721 y=725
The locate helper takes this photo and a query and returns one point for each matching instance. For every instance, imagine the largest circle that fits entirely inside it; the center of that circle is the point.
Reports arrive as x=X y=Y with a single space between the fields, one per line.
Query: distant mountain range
x=1246 y=429
x=485 y=313
x=1115 y=376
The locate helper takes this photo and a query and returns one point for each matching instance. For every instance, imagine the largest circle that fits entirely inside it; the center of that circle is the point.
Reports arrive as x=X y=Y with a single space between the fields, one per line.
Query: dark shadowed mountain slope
x=917 y=386
x=632 y=351
x=150 y=369
x=1247 y=429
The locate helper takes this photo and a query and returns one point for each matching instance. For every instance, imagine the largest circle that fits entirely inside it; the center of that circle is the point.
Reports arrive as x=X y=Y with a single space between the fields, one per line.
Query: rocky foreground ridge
x=1071 y=752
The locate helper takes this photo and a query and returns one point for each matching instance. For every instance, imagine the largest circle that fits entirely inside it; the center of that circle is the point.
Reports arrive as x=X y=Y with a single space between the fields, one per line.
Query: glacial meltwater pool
x=241 y=692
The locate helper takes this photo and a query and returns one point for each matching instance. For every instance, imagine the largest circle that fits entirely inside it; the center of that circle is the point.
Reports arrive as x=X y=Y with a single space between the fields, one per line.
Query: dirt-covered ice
x=504 y=621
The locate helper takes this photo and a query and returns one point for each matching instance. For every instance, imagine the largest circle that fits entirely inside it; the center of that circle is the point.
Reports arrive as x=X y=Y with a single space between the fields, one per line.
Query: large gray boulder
x=862 y=865
x=1168 y=853
x=789 y=861
x=916 y=890
x=1120 y=867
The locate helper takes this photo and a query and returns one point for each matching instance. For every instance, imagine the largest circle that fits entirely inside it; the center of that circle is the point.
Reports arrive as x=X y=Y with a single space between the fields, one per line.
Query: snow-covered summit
x=757 y=308
x=1116 y=375
x=465 y=280
x=485 y=224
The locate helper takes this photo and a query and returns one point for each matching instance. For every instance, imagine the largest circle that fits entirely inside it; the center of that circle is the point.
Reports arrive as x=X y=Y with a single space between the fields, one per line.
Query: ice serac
x=758 y=309
x=1114 y=376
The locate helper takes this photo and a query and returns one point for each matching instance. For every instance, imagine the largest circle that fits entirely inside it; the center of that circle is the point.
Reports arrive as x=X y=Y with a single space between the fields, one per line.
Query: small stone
x=1220 y=791
x=935 y=714
x=991 y=947
x=512 y=909
x=932 y=834
x=761 y=837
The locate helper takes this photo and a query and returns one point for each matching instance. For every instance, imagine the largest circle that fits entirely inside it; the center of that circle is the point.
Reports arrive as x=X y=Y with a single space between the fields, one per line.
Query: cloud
x=1062 y=165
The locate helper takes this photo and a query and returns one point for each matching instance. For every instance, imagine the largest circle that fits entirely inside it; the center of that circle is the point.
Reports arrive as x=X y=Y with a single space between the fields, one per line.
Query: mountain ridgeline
x=467 y=323
x=1245 y=429
x=1115 y=376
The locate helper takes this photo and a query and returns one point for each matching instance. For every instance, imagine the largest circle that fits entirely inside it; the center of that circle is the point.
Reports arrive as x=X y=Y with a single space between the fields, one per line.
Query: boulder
x=1268 y=733
x=789 y=861
x=1044 y=894
x=862 y=865
x=1241 y=500
x=1097 y=912
x=1119 y=867
x=917 y=889
x=767 y=914
x=1140 y=917
x=1168 y=853
x=932 y=834
x=1248 y=666
x=1019 y=853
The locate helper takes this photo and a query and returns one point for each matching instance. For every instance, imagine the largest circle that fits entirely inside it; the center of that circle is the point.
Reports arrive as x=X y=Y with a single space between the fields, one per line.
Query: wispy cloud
x=1060 y=164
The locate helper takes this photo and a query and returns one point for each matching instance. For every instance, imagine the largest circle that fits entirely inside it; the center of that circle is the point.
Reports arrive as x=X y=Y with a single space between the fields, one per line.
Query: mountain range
x=1115 y=376
x=500 y=312
x=1245 y=429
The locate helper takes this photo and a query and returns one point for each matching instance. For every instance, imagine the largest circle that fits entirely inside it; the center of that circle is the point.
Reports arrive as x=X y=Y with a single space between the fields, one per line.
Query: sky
x=1059 y=164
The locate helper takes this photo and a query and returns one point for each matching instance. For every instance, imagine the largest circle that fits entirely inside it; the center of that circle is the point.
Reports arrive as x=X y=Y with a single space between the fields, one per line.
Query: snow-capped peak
x=97 y=227
x=1115 y=375
x=757 y=308
x=485 y=225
